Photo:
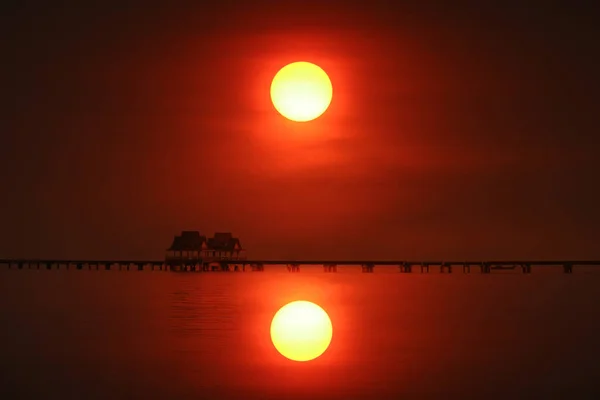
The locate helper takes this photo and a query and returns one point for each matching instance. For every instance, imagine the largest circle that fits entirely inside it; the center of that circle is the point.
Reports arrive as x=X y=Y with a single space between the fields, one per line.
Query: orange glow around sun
x=301 y=91
x=301 y=331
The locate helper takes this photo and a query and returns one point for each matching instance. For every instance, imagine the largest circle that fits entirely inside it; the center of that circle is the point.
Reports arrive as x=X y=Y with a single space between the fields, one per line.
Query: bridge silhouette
x=241 y=265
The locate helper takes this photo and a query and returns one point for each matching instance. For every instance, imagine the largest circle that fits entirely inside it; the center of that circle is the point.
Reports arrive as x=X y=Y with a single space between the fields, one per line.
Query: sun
x=301 y=331
x=301 y=91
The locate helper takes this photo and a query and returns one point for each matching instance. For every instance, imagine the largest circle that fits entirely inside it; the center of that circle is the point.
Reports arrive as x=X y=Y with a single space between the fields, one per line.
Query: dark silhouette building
x=193 y=248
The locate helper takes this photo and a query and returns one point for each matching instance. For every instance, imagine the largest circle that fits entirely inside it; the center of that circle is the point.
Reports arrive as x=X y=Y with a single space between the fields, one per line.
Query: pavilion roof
x=193 y=240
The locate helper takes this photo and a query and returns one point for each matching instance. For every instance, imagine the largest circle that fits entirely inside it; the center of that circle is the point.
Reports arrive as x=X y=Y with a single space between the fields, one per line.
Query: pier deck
x=367 y=266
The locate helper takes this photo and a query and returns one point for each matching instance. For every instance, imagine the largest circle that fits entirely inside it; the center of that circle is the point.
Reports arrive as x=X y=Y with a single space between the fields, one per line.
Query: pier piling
x=330 y=267
x=526 y=268
x=293 y=267
x=368 y=268
x=257 y=267
x=405 y=268
x=446 y=267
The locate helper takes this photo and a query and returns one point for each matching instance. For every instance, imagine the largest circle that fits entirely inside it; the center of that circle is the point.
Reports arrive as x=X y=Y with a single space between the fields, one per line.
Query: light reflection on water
x=99 y=334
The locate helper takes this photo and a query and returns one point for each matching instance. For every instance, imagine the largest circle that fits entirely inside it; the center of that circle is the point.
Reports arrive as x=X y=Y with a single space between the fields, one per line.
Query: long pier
x=241 y=265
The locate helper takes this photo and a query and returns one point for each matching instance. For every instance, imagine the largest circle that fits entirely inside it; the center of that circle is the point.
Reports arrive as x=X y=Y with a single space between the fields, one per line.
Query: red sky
x=453 y=132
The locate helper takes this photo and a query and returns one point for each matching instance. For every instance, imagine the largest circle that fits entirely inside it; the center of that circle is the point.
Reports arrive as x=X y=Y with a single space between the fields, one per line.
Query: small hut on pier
x=192 y=248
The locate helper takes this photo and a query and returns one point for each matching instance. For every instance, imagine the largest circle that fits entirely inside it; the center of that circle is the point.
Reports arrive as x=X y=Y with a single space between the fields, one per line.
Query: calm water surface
x=157 y=335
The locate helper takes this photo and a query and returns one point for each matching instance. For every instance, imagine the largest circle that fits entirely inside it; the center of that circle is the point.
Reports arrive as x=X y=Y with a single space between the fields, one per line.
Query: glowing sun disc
x=301 y=91
x=301 y=331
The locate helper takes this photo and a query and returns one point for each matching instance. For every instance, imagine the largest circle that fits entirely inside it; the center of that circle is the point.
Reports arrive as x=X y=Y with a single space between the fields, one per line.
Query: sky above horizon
x=454 y=132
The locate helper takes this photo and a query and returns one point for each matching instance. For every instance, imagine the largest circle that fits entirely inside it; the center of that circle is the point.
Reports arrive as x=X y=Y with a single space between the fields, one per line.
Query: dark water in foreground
x=157 y=335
